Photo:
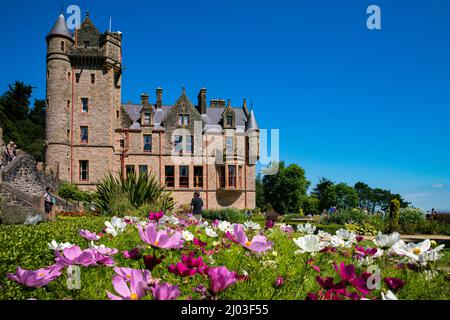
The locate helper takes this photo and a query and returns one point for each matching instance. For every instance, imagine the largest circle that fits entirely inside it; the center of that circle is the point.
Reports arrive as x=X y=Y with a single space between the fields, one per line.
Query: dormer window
x=87 y=44
x=183 y=119
x=147 y=118
x=229 y=121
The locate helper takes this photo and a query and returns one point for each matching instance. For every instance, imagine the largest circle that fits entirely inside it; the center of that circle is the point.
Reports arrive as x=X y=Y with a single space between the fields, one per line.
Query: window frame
x=84 y=108
x=184 y=178
x=143 y=166
x=83 y=170
x=148 y=143
x=81 y=134
x=198 y=178
x=232 y=179
x=169 y=176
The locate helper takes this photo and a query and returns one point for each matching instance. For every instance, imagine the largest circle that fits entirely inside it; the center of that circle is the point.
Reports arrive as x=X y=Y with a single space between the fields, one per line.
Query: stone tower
x=84 y=101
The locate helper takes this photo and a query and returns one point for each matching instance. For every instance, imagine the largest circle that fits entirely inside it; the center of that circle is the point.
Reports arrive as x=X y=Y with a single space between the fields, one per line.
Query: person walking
x=197 y=204
x=9 y=152
x=48 y=202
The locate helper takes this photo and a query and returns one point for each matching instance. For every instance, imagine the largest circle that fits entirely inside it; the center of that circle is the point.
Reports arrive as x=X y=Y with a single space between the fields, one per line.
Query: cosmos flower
x=36 y=278
x=306 y=228
x=386 y=241
x=220 y=278
x=309 y=243
x=165 y=291
x=160 y=238
x=53 y=245
x=132 y=288
x=88 y=235
x=258 y=243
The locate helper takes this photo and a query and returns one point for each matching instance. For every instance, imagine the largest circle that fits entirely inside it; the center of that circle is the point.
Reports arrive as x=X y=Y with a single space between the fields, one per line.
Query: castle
x=90 y=132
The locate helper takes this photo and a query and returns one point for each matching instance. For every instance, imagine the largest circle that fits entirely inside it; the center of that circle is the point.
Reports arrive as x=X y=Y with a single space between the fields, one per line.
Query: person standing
x=48 y=203
x=197 y=204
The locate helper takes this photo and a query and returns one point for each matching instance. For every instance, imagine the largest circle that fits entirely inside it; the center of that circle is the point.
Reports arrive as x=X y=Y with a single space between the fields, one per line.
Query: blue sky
x=351 y=104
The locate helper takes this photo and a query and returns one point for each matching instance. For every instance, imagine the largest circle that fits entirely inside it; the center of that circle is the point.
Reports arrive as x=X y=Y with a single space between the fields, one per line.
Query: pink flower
x=189 y=266
x=133 y=254
x=165 y=291
x=348 y=274
x=365 y=252
x=133 y=289
x=258 y=244
x=215 y=223
x=160 y=238
x=359 y=238
x=394 y=283
x=220 y=278
x=88 y=235
x=74 y=256
x=287 y=229
x=155 y=216
x=231 y=237
x=36 y=278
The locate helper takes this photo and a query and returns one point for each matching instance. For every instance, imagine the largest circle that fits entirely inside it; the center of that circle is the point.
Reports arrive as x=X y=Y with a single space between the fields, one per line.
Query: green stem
x=240 y=261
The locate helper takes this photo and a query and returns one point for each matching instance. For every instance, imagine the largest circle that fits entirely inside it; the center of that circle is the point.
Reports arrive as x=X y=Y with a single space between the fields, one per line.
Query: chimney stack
x=144 y=100
x=201 y=107
x=159 y=98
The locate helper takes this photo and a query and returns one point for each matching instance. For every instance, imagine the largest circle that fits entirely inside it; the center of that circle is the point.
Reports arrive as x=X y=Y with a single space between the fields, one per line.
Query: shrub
x=365 y=229
x=330 y=228
x=411 y=216
x=69 y=191
x=116 y=195
x=228 y=214
x=347 y=216
x=394 y=214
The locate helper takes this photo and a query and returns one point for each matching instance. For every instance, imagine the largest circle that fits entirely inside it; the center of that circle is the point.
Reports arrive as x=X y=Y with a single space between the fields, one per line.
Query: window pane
x=147 y=118
x=189 y=144
x=170 y=176
x=130 y=169
x=84 y=104
x=180 y=119
x=143 y=169
x=229 y=144
x=178 y=143
x=198 y=177
x=230 y=121
x=232 y=176
x=184 y=176
x=221 y=173
x=84 y=170
x=186 y=119
x=84 y=134
x=147 y=143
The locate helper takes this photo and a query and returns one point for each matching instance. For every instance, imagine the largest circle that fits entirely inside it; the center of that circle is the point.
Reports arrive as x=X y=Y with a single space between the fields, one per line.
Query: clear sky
x=351 y=104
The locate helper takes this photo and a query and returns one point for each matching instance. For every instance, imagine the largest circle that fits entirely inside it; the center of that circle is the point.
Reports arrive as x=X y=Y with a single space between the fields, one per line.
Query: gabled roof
x=60 y=29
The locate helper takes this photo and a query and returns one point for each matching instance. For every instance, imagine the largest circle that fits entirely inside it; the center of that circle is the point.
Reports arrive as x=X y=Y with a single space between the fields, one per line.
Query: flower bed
x=175 y=257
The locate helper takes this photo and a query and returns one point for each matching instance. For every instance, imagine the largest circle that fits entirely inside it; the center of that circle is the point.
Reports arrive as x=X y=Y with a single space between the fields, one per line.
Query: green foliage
x=394 y=215
x=286 y=189
x=366 y=229
x=376 y=199
x=311 y=205
x=116 y=195
x=21 y=123
x=411 y=216
x=347 y=216
x=228 y=214
x=69 y=191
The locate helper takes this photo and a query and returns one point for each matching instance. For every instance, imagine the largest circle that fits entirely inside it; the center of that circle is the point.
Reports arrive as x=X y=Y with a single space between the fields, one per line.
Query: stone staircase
x=22 y=186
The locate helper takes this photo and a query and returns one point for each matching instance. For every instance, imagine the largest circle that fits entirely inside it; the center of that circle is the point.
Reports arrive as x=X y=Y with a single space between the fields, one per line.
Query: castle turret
x=58 y=93
x=252 y=132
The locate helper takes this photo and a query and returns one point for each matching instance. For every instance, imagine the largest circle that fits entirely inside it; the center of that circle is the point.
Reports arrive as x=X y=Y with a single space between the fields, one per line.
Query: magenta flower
x=155 y=216
x=199 y=243
x=220 y=278
x=160 y=238
x=279 y=281
x=127 y=274
x=361 y=251
x=394 y=283
x=36 y=278
x=359 y=238
x=328 y=283
x=348 y=274
x=258 y=244
x=191 y=262
x=165 y=291
x=180 y=269
x=269 y=224
x=215 y=223
x=133 y=254
x=287 y=229
x=152 y=261
x=133 y=289
x=88 y=235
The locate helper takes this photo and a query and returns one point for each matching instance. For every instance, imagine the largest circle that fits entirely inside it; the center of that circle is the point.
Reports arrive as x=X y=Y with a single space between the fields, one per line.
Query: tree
x=325 y=193
x=22 y=124
x=261 y=202
x=286 y=189
x=346 y=196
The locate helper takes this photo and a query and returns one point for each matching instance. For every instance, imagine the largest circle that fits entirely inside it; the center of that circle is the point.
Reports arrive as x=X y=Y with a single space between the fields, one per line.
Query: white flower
x=306 y=228
x=386 y=241
x=412 y=250
x=431 y=255
x=132 y=219
x=103 y=249
x=388 y=296
x=324 y=235
x=169 y=219
x=210 y=232
x=225 y=226
x=251 y=225
x=115 y=226
x=338 y=242
x=187 y=235
x=346 y=235
x=58 y=246
x=309 y=243
x=366 y=261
